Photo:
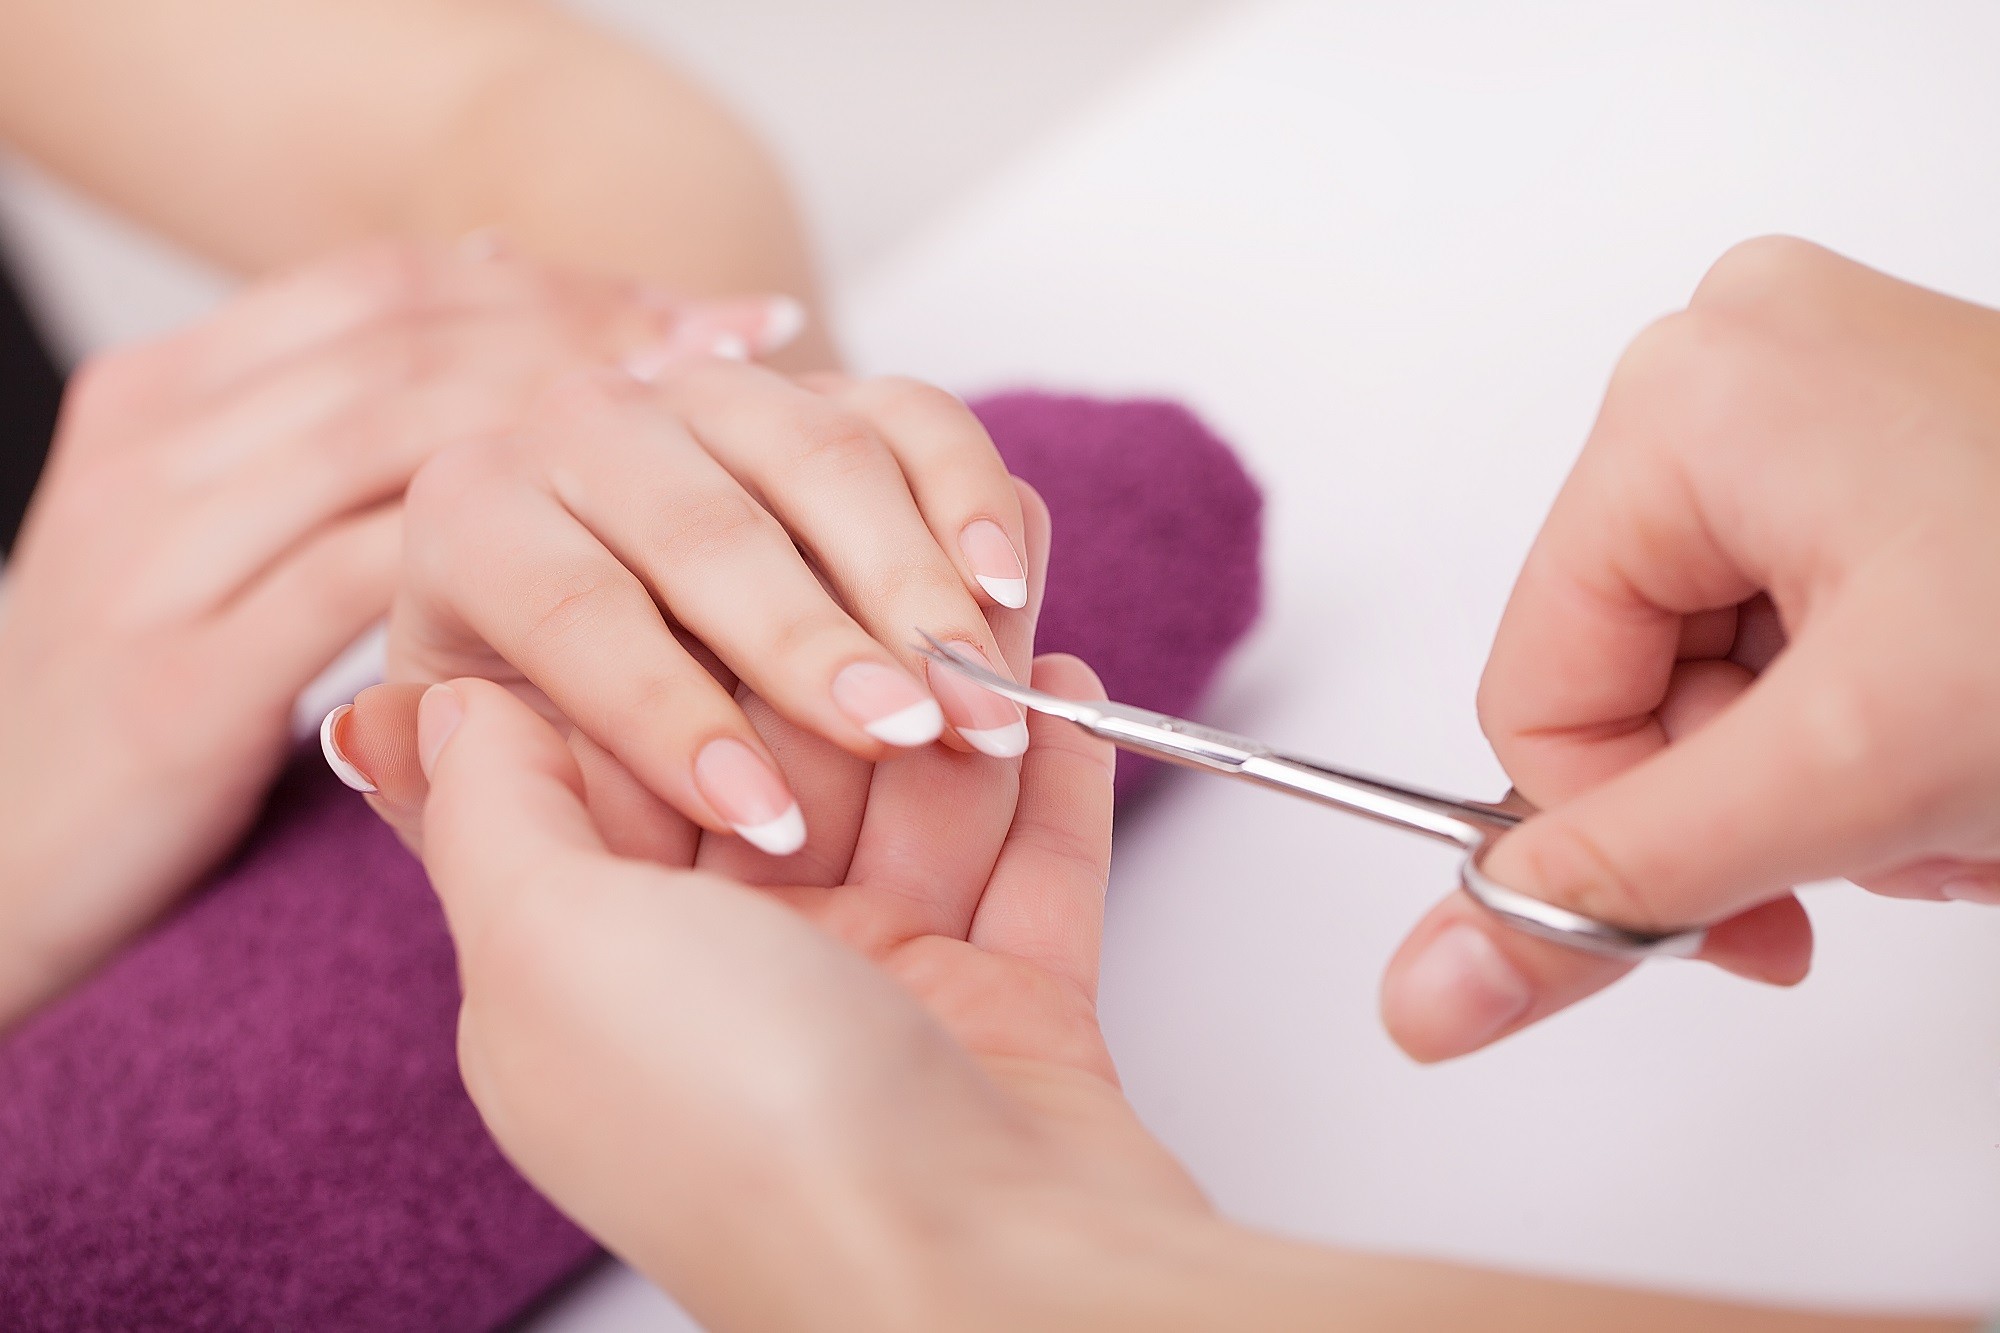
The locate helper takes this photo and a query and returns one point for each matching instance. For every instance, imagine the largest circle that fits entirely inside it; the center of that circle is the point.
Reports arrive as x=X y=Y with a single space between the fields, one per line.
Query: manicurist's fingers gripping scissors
x=1472 y=826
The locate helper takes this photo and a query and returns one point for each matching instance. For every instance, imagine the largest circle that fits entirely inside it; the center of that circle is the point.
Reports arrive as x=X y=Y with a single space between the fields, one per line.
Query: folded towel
x=252 y=1118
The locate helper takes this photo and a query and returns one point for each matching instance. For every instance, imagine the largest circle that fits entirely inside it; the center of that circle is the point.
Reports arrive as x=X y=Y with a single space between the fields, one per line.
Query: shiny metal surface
x=1473 y=826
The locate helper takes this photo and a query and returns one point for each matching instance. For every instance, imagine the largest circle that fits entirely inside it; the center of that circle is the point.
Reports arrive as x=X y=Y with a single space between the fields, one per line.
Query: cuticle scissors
x=1472 y=826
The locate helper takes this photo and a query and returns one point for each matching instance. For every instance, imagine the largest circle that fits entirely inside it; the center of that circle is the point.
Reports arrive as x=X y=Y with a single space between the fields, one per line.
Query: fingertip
x=1451 y=990
x=1771 y=943
x=1462 y=981
x=377 y=735
x=336 y=758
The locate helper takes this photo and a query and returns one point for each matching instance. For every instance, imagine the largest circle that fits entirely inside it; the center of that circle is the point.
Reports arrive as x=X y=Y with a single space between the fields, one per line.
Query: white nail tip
x=919 y=724
x=1008 y=592
x=1000 y=742
x=780 y=837
x=786 y=321
x=337 y=761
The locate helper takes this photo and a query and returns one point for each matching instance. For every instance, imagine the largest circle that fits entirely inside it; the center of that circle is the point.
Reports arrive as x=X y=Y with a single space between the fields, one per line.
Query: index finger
x=1585 y=655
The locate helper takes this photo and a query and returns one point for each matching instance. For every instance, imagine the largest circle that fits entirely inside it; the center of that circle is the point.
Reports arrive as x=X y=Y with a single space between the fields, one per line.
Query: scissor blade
x=1160 y=735
x=1070 y=710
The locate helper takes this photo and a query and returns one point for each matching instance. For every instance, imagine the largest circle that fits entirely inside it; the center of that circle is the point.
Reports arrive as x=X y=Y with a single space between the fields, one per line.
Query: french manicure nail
x=336 y=758
x=1467 y=986
x=438 y=714
x=995 y=563
x=1967 y=889
x=989 y=724
x=889 y=705
x=748 y=793
x=784 y=321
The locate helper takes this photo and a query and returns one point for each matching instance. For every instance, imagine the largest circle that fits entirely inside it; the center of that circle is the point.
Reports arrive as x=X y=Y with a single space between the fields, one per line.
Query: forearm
x=259 y=134
x=1162 y=1273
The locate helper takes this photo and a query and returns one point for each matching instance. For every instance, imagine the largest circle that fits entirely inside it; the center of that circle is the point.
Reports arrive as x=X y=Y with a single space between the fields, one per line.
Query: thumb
x=1783 y=786
x=505 y=809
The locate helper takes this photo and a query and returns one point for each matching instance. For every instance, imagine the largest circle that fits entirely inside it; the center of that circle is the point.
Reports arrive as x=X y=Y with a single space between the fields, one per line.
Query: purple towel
x=252 y=1118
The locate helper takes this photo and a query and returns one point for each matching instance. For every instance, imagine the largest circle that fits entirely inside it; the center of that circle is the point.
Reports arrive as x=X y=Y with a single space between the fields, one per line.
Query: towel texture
x=252 y=1118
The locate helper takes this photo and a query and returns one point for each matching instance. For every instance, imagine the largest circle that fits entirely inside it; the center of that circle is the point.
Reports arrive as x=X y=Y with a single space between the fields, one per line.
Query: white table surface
x=1392 y=253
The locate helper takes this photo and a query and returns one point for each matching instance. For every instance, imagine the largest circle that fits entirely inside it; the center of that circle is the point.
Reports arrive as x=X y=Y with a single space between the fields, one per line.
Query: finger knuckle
x=584 y=399
x=1761 y=273
x=711 y=526
x=928 y=583
x=837 y=444
x=565 y=608
x=811 y=635
x=1686 y=378
x=442 y=484
x=903 y=394
x=1846 y=726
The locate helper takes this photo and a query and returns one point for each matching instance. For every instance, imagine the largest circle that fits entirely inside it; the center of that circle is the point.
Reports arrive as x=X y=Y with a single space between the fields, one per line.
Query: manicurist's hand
x=647 y=543
x=221 y=516
x=1756 y=644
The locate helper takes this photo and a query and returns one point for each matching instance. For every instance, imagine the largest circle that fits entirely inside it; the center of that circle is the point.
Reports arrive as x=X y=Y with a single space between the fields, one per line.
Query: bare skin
x=264 y=135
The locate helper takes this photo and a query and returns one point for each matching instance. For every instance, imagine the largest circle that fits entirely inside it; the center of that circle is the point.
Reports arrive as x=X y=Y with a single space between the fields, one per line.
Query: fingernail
x=729 y=347
x=1966 y=889
x=438 y=714
x=1466 y=986
x=749 y=794
x=482 y=244
x=336 y=758
x=995 y=563
x=889 y=705
x=989 y=724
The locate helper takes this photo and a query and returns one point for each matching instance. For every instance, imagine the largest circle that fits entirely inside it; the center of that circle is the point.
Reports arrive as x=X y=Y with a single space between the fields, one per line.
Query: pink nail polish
x=438 y=714
x=989 y=724
x=1467 y=986
x=336 y=758
x=889 y=705
x=748 y=793
x=995 y=563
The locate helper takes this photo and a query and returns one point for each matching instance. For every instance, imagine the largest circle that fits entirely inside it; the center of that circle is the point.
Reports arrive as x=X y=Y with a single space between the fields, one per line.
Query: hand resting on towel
x=220 y=518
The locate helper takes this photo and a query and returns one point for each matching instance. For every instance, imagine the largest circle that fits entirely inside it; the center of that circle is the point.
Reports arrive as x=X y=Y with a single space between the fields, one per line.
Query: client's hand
x=1754 y=644
x=219 y=519
x=864 y=1100
x=642 y=546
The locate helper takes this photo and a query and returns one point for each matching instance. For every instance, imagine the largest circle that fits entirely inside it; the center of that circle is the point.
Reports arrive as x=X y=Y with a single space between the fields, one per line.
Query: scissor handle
x=1572 y=930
